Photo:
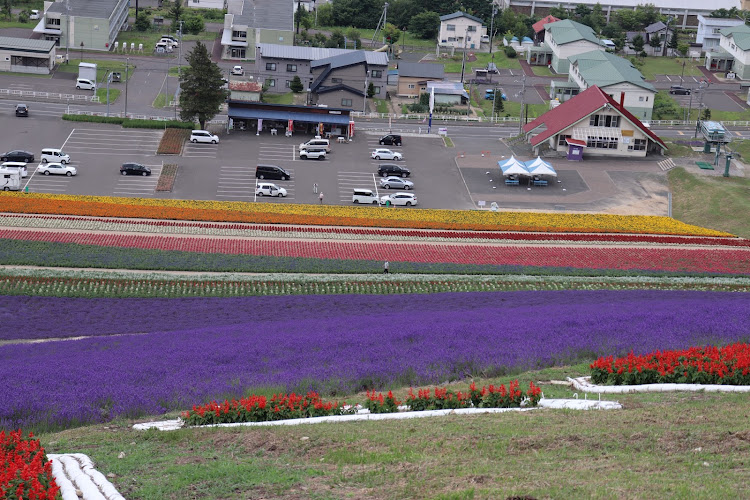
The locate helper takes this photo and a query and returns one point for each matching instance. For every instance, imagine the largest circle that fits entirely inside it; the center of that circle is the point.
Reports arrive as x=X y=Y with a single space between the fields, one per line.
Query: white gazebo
x=540 y=167
x=512 y=166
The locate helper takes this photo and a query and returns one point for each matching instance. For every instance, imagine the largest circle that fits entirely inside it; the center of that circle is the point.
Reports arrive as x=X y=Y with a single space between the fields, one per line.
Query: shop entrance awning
x=269 y=114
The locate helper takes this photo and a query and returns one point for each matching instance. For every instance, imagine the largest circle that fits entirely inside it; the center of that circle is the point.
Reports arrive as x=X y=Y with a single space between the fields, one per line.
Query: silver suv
x=313 y=153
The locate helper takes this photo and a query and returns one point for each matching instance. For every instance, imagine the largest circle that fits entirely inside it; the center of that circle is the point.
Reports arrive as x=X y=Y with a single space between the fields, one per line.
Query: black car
x=18 y=155
x=272 y=172
x=679 y=90
x=390 y=140
x=134 y=169
x=387 y=169
x=22 y=110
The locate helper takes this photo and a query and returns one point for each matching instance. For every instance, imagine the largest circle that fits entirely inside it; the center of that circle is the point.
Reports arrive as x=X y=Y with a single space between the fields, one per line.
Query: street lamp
x=109 y=79
x=81 y=51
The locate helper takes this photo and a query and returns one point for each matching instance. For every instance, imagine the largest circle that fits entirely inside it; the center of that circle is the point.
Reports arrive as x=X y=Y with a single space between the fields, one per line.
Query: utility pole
x=666 y=37
x=522 y=93
x=127 y=61
x=700 y=107
x=166 y=87
x=492 y=25
x=463 y=60
x=364 y=104
x=109 y=79
x=179 y=68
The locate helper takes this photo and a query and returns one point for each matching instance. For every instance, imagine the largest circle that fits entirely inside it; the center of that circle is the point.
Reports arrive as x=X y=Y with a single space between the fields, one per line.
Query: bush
x=94 y=119
x=194 y=25
x=510 y=52
x=142 y=23
x=131 y=123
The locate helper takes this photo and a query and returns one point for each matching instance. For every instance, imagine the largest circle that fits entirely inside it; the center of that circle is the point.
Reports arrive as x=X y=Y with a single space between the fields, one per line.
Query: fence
x=52 y=96
x=444 y=118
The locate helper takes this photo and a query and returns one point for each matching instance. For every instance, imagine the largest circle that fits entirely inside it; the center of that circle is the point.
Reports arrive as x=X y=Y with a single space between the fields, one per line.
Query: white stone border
x=584 y=384
x=75 y=472
x=361 y=415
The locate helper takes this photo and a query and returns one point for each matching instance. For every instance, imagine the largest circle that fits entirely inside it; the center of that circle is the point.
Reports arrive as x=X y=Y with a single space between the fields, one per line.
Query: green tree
x=201 y=92
x=637 y=43
x=175 y=11
x=666 y=108
x=296 y=85
x=596 y=19
x=353 y=38
x=370 y=90
x=706 y=114
x=520 y=30
x=655 y=42
x=401 y=12
x=647 y=14
x=510 y=52
x=627 y=19
x=425 y=25
x=6 y=12
x=673 y=43
x=390 y=30
x=193 y=25
x=498 y=103
x=142 y=23
x=559 y=12
x=336 y=39
x=325 y=14
x=683 y=48
x=23 y=16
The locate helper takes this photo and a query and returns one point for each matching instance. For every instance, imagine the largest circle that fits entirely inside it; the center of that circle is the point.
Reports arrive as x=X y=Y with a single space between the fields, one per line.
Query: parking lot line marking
x=668 y=78
x=680 y=132
x=66 y=140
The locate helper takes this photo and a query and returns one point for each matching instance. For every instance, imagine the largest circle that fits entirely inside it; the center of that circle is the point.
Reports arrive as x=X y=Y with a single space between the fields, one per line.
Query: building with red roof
x=595 y=124
x=538 y=27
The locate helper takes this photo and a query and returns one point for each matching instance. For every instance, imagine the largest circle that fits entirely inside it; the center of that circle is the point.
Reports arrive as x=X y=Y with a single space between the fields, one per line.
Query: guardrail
x=425 y=117
x=52 y=96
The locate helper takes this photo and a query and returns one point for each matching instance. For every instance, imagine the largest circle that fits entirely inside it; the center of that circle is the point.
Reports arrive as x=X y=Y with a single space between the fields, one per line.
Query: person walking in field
x=320 y=197
x=386 y=267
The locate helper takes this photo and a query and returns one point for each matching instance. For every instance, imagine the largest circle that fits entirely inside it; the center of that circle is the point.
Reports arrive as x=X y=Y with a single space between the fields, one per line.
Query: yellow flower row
x=274 y=213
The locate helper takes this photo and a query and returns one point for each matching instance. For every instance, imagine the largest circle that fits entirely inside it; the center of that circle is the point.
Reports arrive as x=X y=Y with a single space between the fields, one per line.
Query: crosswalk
x=113 y=142
x=667 y=164
x=274 y=152
x=238 y=183
x=200 y=150
x=56 y=184
x=134 y=185
x=348 y=181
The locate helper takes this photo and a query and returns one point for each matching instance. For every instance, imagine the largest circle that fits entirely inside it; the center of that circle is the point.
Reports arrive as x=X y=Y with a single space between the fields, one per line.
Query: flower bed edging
x=584 y=384
x=75 y=471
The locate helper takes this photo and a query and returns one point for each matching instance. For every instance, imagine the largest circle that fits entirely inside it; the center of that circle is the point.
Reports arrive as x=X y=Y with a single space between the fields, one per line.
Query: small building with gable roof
x=461 y=30
x=566 y=39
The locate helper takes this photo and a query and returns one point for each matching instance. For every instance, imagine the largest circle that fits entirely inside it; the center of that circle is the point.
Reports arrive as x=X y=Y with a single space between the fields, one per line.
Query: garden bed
x=172 y=141
x=167 y=177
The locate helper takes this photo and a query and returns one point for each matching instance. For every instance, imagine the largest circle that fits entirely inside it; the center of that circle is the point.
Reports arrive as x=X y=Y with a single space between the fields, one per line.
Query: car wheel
x=374 y=202
x=62 y=161
x=383 y=174
x=408 y=203
x=398 y=144
x=404 y=175
x=77 y=87
x=44 y=160
x=194 y=141
x=144 y=174
x=69 y=174
x=261 y=176
x=260 y=194
x=377 y=157
x=46 y=172
x=381 y=143
x=407 y=187
x=213 y=142
x=387 y=186
x=286 y=178
x=356 y=202
x=124 y=172
x=321 y=157
x=283 y=196
x=26 y=160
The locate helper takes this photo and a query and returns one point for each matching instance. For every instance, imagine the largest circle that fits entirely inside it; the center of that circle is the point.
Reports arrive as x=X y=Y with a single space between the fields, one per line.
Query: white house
x=709 y=31
x=566 y=39
x=735 y=40
x=461 y=30
x=206 y=4
x=89 y=24
x=248 y=23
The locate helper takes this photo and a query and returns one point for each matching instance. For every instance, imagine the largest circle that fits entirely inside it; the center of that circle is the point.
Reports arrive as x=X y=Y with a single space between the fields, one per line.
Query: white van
x=16 y=166
x=162 y=47
x=34 y=15
x=203 y=136
x=364 y=196
x=324 y=143
x=54 y=156
x=85 y=84
x=10 y=180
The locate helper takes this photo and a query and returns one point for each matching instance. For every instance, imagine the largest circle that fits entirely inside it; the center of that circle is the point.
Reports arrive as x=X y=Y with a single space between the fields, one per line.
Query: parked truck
x=87 y=71
x=10 y=180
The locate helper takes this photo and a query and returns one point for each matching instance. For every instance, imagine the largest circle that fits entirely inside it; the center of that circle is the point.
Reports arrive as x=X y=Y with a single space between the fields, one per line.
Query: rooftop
x=421 y=70
x=601 y=68
x=101 y=9
x=568 y=31
x=316 y=53
x=263 y=14
x=740 y=34
x=349 y=58
x=26 y=44
x=245 y=86
x=459 y=14
x=539 y=25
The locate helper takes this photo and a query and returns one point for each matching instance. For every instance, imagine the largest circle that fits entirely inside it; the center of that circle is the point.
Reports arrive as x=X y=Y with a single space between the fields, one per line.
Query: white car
x=385 y=154
x=56 y=168
x=268 y=189
x=34 y=15
x=203 y=136
x=237 y=70
x=313 y=154
x=396 y=183
x=399 y=199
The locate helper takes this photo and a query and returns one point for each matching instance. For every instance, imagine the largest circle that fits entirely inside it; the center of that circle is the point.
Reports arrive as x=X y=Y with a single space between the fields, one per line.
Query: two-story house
x=413 y=77
x=615 y=76
x=341 y=81
x=461 y=30
x=735 y=40
x=248 y=23
x=277 y=65
x=567 y=38
x=87 y=24
x=708 y=34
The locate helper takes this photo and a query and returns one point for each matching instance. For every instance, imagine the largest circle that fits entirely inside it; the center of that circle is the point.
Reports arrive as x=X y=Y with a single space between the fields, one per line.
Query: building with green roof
x=24 y=55
x=615 y=76
x=566 y=39
x=735 y=40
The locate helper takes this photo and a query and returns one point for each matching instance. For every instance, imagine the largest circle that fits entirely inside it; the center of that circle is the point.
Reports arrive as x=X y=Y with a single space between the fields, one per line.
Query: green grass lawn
x=542 y=71
x=102 y=93
x=715 y=202
x=381 y=106
x=15 y=24
x=270 y=98
x=453 y=65
x=365 y=35
x=678 y=150
x=104 y=66
x=667 y=445
x=173 y=70
x=160 y=101
x=667 y=66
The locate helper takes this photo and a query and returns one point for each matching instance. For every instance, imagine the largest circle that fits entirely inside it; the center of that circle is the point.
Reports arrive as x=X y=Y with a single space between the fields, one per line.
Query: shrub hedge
x=131 y=122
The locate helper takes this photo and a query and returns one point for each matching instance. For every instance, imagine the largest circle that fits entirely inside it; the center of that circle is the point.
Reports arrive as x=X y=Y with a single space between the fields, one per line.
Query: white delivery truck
x=87 y=71
x=10 y=180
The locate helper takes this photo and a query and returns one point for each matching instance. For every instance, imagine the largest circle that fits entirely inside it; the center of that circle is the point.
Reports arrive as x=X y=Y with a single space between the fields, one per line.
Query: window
x=347 y=103
x=471 y=28
x=292 y=68
x=288 y=83
x=239 y=34
x=451 y=27
x=238 y=53
x=271 y=82
x=451 y=38
x=640 y=99
x=377 y=90
x=604 y=121
x=53 y=22
x=411 y=86
x=336 y=80
x=602 y=142
x=639 y=145
x=376 y=73
x=561 y=140
x=270 y=66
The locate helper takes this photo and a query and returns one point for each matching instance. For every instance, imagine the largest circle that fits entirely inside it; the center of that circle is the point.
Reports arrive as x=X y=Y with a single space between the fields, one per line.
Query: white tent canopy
x=511 y=166
x=540 y=167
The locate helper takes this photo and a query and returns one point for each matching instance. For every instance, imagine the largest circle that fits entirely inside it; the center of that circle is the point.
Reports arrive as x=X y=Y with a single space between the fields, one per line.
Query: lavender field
x=148 y=356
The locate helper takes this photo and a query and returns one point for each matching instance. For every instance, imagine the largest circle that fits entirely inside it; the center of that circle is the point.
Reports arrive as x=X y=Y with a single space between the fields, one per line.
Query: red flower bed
x=735 y=261
x=25 y=472
x=729 y=365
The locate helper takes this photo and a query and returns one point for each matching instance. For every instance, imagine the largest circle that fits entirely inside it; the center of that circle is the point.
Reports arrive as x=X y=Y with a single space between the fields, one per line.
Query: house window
x=377 y=90
x=451 y=38
x=376 y=73
x=288 y=83
x=639 y=145
x=292 y=68
x=561 y=140
x=411 y=86
x=239 y=34
x=451 y=27
x=640 y=99
x=238 y=53
x=604 y=121
x=271 y=82
x=602 y=142
x=347 y=103
x=55 y=22
x=336 y=80
x=270 y=66
x=471 y=28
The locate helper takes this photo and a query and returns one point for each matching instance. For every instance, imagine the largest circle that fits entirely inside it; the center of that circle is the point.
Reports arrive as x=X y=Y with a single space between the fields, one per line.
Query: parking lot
x=227 y=171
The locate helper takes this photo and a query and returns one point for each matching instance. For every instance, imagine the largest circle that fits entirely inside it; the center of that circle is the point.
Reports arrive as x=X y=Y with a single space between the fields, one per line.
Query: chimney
x=622 y=99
